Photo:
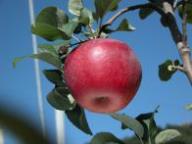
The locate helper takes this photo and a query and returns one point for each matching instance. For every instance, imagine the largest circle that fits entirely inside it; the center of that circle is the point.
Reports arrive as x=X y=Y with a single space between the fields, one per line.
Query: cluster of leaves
x=144 y=127
x=185 y=138
x=53 y=24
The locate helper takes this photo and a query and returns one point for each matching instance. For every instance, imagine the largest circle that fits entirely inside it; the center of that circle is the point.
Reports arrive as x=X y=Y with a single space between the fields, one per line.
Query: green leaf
x=52 y=16
x=86 y=17
x=75 y=6
x=149 y=124
x=59 y=100
x=166 y=136
x=166 y=70
x=125 y=26
x=48 y=32
x=104 y=6
x=70 y=27
x=78 y=118
x=188 y=107
x=54 y=76
x=145 y=12
x=104 y=138
x=54 y=49
x=47 y=48
x=130 y=123
x=48 y=58
x=44 y=56
x=48 y=24
x=188 y=11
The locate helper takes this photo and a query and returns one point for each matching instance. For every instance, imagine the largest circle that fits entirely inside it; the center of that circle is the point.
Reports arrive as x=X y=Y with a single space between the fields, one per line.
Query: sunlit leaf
x=75 y=6
x=166 y=136
x=188 y=107
x=104 y=138
x=86 y=16
x=70 y=27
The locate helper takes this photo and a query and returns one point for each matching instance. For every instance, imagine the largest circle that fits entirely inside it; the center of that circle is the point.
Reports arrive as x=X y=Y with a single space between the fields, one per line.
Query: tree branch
x=130 y=8
x=167 y=13
x=177 y=36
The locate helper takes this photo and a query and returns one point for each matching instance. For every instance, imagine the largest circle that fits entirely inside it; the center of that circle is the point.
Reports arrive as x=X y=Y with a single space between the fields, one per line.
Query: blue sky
x=151 y=42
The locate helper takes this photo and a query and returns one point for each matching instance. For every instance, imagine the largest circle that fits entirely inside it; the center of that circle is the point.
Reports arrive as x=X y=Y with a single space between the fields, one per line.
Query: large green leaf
x=48 y=24
x=86 y=16
x=130 y=123
x=166 y=136
x=104 y=138
x=188 y=11
x=166 y=70
x=44 y=56
x=48 y=32
x=145 y=12
x=70 y=27
x=52 y=16
x=54 y=76
x=78 y=118
x=149 y=124
x=75 y=6
x=58 y=98
x=104 y=6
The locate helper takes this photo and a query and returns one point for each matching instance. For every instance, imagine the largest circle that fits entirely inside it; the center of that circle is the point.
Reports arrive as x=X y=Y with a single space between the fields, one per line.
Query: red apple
x=102 y=74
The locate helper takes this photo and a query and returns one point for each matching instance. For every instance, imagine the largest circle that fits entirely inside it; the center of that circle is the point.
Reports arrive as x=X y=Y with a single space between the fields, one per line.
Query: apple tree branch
x=180 y=38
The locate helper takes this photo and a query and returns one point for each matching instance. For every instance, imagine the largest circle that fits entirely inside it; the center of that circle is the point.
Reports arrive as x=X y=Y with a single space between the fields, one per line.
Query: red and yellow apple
x=102 y=74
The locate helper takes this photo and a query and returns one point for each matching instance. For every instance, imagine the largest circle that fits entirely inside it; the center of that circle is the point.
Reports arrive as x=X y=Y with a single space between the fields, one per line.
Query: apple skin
x=103 y=75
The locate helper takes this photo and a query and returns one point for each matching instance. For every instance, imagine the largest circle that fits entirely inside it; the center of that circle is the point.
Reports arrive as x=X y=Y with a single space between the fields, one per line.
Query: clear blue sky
x=151 y=43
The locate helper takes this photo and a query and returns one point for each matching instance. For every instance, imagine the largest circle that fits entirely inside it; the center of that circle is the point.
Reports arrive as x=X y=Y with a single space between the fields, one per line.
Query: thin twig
x=130 y=8
x=63 y=49
x=76 y=38
x=91 y=31
x=180 y=68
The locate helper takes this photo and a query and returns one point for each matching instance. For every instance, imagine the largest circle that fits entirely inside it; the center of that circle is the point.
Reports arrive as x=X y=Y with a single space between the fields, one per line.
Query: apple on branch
x=103 y=75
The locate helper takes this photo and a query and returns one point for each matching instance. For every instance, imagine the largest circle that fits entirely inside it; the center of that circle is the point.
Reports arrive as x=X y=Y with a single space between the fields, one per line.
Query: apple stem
x=91 y=30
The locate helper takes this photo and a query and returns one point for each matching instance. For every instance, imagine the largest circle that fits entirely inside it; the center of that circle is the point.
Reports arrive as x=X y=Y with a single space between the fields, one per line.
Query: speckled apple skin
x=103 y=75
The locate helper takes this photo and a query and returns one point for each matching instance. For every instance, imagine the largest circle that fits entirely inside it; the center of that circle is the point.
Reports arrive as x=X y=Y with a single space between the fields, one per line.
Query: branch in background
x=177 y=36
